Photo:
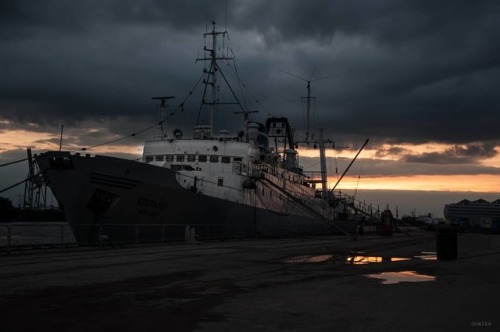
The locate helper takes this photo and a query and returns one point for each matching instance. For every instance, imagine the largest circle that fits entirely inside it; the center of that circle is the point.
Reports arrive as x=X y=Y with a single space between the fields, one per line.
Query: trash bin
x=446 y=243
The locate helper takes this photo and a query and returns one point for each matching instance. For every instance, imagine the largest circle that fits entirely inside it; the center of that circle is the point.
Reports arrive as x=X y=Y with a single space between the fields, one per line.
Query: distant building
x=478 y=214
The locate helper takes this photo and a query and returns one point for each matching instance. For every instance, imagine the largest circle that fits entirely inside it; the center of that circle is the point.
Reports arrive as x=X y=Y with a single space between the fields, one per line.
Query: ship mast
x=212 y=71
x=308 y=110
x=162 y=133
x=309 y=137
x=322 y=161
x=308 y=99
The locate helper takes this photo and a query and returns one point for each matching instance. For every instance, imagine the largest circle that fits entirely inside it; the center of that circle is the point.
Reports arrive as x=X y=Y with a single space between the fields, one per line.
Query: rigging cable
x=359 y=177
x=180 y=107
x=21 y=182
x=13 y=162
x=230 y=89
x=18 y=183
x=241 y=84
x=250 y=92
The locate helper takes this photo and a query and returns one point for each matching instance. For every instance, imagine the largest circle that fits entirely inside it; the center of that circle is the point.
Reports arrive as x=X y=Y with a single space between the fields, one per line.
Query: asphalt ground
x=303 y=284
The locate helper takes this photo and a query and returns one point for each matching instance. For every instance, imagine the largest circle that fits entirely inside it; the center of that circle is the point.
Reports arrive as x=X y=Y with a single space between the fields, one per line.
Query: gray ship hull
x=112 y=199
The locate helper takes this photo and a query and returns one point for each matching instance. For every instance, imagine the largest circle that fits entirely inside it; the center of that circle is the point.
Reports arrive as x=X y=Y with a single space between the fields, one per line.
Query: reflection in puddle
x=401 y=276
x=357 y=260
x=399 y=259
x=351 y=260
x=427 y=255
x=309 y=259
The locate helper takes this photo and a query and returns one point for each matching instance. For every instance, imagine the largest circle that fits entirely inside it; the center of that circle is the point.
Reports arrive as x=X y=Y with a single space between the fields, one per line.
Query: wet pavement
x=306 y=284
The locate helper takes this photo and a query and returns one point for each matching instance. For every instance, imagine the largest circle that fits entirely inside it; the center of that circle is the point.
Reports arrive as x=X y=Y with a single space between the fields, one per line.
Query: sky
x=418 y=78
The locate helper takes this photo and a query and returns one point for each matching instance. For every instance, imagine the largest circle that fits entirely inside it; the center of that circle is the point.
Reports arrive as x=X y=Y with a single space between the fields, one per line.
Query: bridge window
x=202 y=158
x=214 y=159
x=149 y=159
x=191 y=157
x=170 y=158
x=180 y=157
x=220 y=182
x=226 y=160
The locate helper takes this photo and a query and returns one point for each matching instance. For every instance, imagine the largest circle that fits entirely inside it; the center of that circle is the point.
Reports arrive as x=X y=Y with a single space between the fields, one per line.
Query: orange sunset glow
x=455 y=183
x=489 y=183
x=42 y=141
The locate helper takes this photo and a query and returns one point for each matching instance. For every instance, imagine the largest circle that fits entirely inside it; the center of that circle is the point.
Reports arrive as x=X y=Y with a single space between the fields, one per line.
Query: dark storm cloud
x=457 y=155
x=380 y=152
x=69 y=60
x=390 y=22
x=76 y=16
x=412 y=71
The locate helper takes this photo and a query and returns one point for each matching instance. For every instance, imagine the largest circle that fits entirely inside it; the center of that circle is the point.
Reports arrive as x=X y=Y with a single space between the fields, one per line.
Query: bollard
x=190 y=235
x=446 y=243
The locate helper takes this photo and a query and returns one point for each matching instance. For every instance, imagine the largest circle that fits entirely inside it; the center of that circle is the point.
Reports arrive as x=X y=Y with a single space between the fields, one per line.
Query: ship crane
x=350 y=164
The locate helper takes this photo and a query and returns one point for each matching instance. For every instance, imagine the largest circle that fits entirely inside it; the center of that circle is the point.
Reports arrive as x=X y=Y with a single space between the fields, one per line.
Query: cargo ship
x=243 y=183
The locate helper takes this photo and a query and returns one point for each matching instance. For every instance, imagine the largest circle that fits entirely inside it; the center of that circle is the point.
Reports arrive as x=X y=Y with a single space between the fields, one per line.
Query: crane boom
x=352 y=162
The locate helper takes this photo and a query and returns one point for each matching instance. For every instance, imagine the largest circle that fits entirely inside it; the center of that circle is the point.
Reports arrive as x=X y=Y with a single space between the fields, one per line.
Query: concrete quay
x=302 y=284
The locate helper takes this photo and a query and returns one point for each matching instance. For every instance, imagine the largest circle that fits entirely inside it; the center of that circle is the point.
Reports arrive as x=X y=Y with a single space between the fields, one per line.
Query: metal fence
x=14 y=236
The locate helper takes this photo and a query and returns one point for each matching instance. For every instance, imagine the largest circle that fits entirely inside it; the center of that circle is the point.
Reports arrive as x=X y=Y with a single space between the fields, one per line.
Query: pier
x=304 y=284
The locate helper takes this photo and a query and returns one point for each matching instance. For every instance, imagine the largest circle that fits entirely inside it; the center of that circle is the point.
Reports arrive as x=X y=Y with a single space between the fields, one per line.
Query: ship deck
x=301 y=284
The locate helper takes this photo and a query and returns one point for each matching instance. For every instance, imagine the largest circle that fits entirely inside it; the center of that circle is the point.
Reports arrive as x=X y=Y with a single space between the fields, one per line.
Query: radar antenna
x=308 y=98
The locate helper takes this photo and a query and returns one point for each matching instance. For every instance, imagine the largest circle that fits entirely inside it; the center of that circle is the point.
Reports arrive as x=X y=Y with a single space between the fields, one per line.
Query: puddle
x=401 y=276
x=357 y=258
x=351 y=260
